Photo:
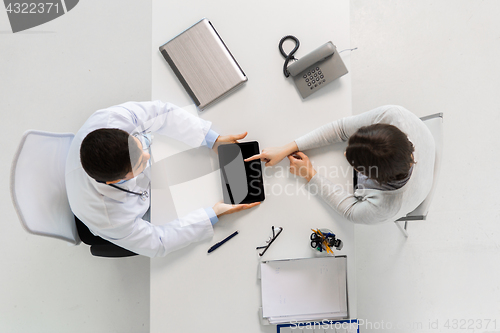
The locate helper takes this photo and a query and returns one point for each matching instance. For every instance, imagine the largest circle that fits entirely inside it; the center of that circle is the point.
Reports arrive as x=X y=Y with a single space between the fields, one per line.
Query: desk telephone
x=315 y=70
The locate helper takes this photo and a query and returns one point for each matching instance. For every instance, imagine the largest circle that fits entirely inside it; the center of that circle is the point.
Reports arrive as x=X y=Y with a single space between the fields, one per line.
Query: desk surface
x=195 y=292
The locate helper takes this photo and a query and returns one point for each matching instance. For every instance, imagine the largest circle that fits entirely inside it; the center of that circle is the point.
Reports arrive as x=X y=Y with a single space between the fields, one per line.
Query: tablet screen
x=242 y=182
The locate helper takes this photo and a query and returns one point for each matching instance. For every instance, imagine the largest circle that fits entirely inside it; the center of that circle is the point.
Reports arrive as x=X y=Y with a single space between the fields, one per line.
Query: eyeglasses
x=145 y=139
x=270 y=241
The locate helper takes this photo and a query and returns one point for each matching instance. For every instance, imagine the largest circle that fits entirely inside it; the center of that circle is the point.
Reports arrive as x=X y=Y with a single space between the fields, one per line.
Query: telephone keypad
x=314 y=78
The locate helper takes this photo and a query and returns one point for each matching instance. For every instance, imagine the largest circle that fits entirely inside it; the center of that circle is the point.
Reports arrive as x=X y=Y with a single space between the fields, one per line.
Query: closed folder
x=203 y=64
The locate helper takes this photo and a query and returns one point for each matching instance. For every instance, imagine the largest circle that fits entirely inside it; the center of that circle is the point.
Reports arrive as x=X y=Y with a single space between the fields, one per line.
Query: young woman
x=393 y=152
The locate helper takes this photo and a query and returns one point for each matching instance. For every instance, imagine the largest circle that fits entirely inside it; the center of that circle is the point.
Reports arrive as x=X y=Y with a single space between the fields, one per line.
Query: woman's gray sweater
x=371 y=206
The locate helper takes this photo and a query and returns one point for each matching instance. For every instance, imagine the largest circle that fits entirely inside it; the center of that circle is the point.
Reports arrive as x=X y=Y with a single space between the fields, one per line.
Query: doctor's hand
x=225 y=139
x=274 y=155
x=300 y=165
x=221 y=208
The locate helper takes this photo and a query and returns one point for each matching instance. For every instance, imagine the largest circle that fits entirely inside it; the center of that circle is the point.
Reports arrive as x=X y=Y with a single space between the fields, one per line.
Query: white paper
x=304 y=287
x=307 y=317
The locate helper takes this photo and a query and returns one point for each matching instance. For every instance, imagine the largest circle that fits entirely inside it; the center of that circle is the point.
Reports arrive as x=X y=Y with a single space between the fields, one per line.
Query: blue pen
x=213 y=248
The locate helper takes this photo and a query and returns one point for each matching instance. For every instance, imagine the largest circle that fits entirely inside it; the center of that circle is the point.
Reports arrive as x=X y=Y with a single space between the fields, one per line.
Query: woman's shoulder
x=394 y=112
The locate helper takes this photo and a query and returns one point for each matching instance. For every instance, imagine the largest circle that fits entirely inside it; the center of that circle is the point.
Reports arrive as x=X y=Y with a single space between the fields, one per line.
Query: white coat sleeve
x=162 y=118
x=150 y=240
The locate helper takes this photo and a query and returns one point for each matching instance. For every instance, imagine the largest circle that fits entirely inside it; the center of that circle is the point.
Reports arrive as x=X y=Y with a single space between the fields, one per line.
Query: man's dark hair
x=381 y=152
x=108 y=154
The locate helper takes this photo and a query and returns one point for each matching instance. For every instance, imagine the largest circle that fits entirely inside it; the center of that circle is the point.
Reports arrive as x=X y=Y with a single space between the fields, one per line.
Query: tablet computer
x=242 y=181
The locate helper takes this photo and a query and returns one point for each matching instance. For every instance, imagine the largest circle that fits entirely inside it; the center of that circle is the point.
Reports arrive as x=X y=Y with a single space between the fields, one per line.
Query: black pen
x=213 y=248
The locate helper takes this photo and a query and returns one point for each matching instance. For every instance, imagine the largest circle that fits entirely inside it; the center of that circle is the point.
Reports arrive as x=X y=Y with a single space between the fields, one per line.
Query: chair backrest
x=435 y=124
x=38 y=188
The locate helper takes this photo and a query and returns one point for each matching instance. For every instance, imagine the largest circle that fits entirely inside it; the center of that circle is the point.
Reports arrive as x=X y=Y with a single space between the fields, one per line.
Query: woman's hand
x=221 y=208
x=274 y=155
x=226 y=139
x=300 y=165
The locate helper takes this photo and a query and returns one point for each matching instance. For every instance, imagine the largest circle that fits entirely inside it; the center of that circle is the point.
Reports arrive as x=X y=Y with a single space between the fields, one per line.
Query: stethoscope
x=144 y=195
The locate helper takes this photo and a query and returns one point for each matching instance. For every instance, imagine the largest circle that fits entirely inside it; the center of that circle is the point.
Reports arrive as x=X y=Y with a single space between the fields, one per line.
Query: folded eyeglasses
x=270 y=240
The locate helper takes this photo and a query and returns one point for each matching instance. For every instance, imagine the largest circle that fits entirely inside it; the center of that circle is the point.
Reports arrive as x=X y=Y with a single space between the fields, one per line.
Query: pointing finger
x=254 y=157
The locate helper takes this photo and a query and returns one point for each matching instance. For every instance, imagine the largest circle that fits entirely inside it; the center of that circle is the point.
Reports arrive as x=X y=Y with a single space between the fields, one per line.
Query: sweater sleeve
x=369 y=207
x=342 y=129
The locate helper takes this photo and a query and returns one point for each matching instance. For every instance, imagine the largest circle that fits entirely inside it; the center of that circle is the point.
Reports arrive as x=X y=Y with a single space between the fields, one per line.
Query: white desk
x=195 y=292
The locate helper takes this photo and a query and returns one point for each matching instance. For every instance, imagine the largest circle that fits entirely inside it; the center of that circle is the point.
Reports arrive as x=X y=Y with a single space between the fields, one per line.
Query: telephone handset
x=315 y=70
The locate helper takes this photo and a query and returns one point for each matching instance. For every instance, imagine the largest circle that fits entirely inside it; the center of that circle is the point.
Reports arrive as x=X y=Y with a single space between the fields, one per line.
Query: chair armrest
x=412 y=218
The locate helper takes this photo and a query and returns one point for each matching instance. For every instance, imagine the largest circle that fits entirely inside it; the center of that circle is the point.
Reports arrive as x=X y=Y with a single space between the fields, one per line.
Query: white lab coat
x=116 y=215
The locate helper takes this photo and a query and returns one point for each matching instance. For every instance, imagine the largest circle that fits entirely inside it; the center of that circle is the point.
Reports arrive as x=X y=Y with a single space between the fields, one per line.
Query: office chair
x=38 y=191
x=435 y=124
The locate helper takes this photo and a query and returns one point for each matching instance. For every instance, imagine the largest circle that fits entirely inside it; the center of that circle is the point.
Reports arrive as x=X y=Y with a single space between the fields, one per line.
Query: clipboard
x=305 y=289
x=324 y=326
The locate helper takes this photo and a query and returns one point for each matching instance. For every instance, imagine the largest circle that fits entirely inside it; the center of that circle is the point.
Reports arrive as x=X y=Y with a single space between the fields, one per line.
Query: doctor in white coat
x=113 y=208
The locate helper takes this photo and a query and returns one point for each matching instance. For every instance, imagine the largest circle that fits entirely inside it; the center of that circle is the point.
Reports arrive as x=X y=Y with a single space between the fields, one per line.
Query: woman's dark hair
x=107 y=154
x=381 y=152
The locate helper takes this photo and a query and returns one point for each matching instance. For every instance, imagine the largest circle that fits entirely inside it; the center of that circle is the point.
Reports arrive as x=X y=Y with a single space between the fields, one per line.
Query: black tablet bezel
x=253 y=170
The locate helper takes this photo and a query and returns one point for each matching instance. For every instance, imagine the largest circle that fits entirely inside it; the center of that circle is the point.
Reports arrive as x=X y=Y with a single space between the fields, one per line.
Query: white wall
x=52 y=78
x=435 y=56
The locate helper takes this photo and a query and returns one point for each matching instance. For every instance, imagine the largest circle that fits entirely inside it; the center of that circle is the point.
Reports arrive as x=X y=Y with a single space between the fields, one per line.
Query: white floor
x=52 y=78
x=435 y=56
x=429 y=56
